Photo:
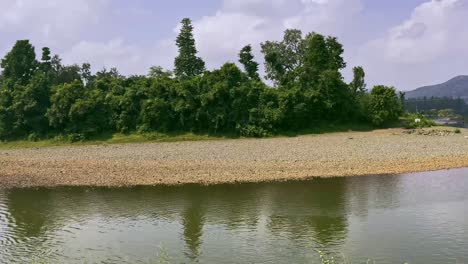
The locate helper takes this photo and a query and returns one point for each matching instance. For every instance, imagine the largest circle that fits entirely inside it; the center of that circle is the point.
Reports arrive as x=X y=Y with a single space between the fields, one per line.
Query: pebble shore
x=380 y=152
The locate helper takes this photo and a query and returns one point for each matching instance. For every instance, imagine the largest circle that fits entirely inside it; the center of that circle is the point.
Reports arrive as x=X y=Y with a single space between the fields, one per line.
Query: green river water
x=414 y=218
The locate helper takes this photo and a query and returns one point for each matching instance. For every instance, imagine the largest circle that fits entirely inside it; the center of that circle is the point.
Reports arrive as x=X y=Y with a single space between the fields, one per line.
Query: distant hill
x=455 y=88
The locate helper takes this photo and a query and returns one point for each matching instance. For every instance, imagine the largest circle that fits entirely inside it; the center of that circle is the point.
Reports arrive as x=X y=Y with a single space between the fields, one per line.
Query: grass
x=118 y=138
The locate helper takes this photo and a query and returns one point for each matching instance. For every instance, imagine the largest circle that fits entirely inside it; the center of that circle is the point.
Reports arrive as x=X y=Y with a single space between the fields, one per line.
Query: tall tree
x=187 y=64
x=85 y=72
x=283 y=59
x=316 y=59
x=20 y=64
x=385 y=105
x=335 y=54
x=246 y=58
x=46 y=65
x=358 y=84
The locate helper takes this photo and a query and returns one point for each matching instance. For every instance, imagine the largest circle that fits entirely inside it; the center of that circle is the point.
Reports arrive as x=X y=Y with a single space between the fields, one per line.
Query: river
x=414 y=218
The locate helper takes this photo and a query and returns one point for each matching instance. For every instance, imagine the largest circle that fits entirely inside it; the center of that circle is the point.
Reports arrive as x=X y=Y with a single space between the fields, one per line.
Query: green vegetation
x=411 y=121
x=431 y=105
x=46 y=100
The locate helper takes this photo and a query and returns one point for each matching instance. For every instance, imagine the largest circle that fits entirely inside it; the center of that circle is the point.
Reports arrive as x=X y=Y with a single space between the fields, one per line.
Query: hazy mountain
x=455 y=88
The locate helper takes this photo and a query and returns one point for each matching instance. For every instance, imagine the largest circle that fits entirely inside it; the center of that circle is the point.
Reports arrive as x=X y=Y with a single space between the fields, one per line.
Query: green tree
x=316 y=60
x=320 y=54
x=358 y=84
x=77 y=110
x=46 y=65
x=216 y=97
x=284 y=59
x=156 y=115
x=159 y=72
x=246 y=58
x=335 y=54
x=187 y=64
x=384 y=105
x=20 y=64
x=24 y=93
x=85 y=72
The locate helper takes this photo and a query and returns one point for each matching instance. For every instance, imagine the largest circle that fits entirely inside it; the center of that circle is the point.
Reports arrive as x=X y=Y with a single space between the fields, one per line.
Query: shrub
x=409 y=121
x=384 y=105
x=75 y=137
x=33 y=137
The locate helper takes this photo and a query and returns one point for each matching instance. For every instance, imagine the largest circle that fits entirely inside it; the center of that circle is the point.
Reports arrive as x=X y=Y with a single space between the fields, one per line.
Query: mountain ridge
x=456 y=87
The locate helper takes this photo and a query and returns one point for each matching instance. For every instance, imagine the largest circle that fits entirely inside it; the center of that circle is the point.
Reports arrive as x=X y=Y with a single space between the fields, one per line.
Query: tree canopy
x=187 y=64
x=47 y=98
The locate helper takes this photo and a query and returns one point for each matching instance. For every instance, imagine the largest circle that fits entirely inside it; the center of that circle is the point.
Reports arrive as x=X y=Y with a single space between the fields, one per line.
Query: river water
x=415 y=218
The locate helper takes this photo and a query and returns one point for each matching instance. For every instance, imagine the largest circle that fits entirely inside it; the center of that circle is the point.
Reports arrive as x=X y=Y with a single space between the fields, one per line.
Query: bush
x=457 y=131
x=409 y=121
x=75 y=137
x=33 y=137
x=253 y=131
x=384 y=105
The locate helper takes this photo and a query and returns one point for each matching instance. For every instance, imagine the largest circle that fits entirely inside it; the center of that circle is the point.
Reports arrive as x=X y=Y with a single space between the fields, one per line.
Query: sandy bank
x=225 y=161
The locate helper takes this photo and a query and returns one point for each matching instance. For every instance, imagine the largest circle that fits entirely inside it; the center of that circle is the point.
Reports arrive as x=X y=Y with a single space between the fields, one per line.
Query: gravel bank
x=227 y=161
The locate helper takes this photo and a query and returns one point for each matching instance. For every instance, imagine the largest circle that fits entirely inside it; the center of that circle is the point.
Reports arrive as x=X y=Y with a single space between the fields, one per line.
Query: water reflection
x=318 y=211
x=274 y=222
x=193 y=218
x=30 y=212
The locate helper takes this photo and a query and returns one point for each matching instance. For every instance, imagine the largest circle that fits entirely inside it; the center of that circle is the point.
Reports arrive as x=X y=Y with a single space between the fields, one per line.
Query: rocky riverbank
x=228 y=161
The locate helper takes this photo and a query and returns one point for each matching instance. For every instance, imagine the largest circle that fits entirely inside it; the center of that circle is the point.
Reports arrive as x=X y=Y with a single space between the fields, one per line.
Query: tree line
x=43 y=97
x=427 y=105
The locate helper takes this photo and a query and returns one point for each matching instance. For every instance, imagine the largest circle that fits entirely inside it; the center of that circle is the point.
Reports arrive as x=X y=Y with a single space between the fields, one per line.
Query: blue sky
x=404 y=43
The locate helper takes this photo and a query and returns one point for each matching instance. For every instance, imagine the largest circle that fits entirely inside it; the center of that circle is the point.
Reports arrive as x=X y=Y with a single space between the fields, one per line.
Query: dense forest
x=426 y=105
x=41 y=98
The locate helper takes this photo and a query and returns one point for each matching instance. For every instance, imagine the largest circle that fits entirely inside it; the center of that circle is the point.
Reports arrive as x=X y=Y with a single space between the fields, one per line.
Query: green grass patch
x=116 y=138
x=135 y=138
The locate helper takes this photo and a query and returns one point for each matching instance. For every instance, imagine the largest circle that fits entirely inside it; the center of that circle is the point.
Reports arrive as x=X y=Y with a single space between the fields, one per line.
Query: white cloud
x=240 y=22
x=128 y=58
x=49 y=21
x=105 y=54
x=326 y=16
x=430 y=46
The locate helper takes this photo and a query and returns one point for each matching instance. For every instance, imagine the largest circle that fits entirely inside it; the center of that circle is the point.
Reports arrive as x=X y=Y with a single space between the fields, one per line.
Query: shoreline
x=380 y=152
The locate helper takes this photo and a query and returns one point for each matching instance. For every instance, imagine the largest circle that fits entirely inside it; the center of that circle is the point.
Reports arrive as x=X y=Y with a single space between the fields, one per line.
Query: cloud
x=49 y=21
x=430 y=46
x=105 y=54
x=240 y=22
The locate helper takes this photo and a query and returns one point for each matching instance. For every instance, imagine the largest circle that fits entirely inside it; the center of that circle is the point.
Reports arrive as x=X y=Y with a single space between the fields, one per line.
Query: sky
x=402 y=43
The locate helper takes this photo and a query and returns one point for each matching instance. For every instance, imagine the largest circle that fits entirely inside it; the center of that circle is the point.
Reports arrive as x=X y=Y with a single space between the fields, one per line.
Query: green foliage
x=46 y=65
x=20 y=63
x=246 y=58
x=358 y=85
x=411 y=121
x=187 y=64
x=283 y=59
x=23 y=107
x=430 y=105
x=159 y=72
x=75 y=109
x=46 y=99
x=384 y=105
